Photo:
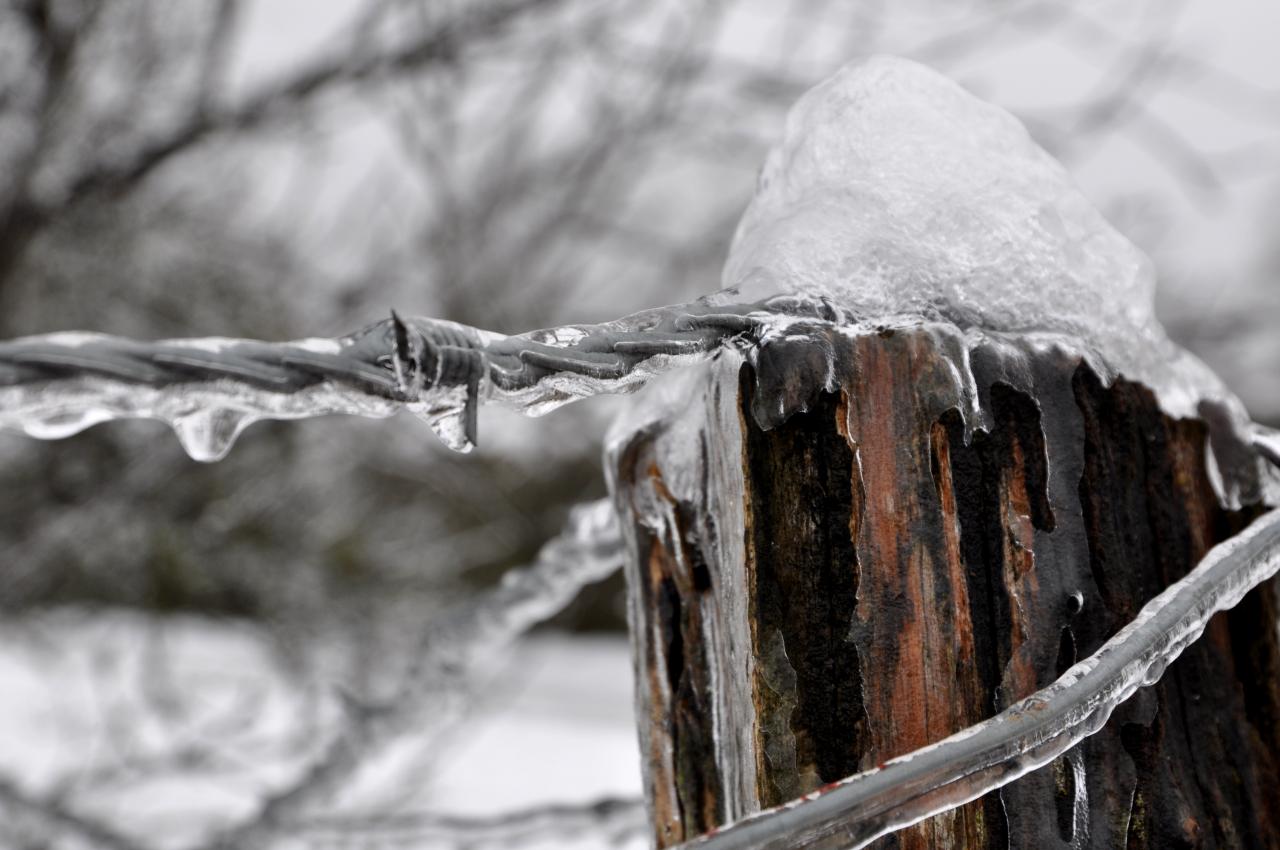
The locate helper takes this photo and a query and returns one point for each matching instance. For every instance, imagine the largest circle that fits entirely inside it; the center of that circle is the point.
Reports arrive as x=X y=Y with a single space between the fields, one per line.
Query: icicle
x=455 y=426
x=59 y=426
x=207 y=435
x=895 y=198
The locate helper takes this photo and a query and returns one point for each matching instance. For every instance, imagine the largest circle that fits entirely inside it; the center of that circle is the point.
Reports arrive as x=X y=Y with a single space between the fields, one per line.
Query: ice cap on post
x=895 y=191
x=898 y=196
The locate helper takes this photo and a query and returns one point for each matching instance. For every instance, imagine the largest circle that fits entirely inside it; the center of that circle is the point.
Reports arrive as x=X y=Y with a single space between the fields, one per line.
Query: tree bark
x=870 y=576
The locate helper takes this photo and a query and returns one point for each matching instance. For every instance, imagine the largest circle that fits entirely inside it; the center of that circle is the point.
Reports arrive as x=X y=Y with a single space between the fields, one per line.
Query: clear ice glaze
x=897 y=195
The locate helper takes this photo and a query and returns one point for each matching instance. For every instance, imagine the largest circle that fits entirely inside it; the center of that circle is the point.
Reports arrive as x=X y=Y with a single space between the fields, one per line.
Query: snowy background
x=180 y=638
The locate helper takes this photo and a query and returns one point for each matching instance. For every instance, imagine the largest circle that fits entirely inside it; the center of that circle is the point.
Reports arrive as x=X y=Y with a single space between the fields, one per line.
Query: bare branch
x=270 y=103
x=57 y=819
x=217 y=50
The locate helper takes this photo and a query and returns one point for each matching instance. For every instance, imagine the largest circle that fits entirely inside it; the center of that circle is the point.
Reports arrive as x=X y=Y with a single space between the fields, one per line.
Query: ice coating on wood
x=681 y=455
x=896 y=192
x=1030 y=734
x=897 y=195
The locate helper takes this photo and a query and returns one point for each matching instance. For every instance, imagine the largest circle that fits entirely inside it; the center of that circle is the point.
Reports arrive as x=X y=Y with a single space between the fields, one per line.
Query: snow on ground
x=567 y=717
x=170 y=729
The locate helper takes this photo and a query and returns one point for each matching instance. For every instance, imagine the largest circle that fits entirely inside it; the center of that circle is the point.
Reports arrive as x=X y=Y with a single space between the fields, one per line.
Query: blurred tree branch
x=450 y=652
x=27 y=213
x=58 y=820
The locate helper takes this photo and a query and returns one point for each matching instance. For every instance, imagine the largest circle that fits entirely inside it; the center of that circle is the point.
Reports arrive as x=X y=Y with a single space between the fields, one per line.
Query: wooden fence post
x=862 y=580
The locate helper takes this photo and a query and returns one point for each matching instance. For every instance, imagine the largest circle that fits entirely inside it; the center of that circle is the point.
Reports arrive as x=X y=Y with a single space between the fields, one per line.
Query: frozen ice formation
x=895 y=199
x=209 y=390
x=896 y=192
x=897 y=195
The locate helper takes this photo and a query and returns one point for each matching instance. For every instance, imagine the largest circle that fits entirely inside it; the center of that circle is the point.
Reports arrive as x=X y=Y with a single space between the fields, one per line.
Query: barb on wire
x=210 y=389
x=855 y=811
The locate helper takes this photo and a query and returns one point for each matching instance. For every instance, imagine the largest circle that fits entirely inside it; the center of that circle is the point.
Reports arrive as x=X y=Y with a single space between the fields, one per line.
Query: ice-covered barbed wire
x=210 y=389
x=1028 y=735
x=434 y=691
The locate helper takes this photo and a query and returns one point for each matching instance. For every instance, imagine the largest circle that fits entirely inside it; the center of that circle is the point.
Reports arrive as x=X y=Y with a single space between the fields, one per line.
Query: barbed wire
x=209 y=389
x=278 y=367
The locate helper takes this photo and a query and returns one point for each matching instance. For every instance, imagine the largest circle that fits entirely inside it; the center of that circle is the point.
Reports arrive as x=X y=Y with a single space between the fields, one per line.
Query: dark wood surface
x=881 y=582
